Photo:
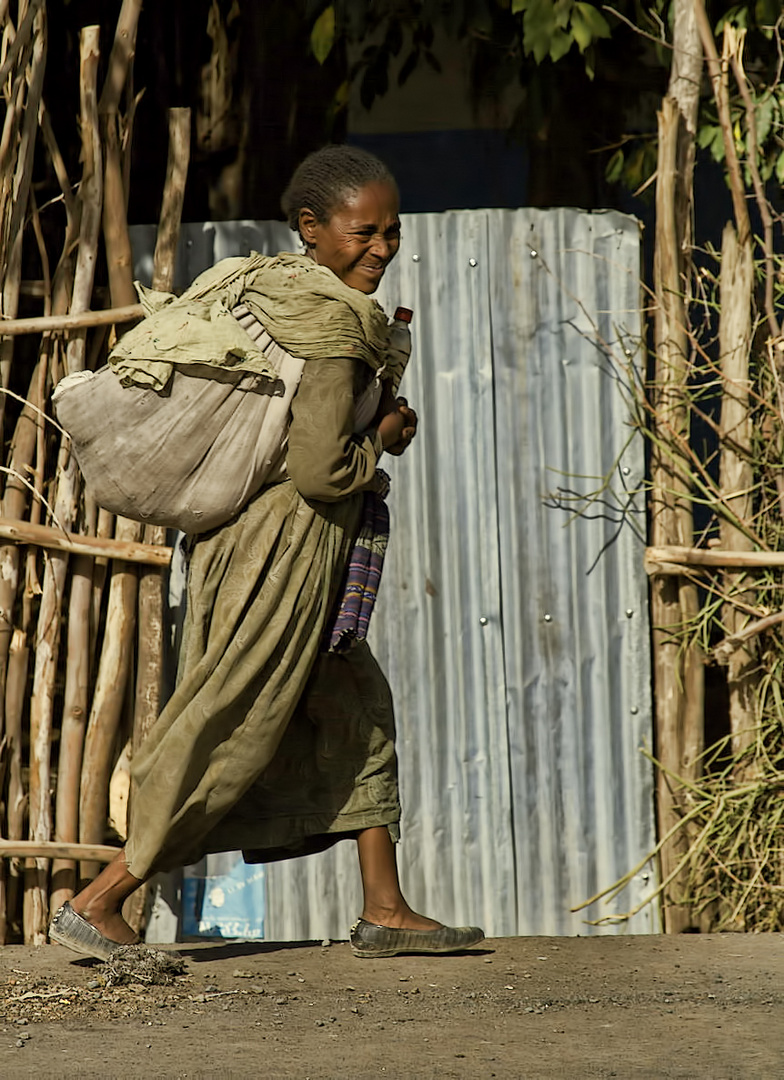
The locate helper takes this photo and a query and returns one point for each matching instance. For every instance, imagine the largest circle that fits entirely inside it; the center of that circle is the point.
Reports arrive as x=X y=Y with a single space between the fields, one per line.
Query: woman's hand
x=397 y=423
x=409 y=430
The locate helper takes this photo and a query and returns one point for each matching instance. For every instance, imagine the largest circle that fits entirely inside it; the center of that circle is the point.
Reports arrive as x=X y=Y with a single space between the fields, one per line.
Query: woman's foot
x=99 y=905
x=398 y=918
x=110 y=924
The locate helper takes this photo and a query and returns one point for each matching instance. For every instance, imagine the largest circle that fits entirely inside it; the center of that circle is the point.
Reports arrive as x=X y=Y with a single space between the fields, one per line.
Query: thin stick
x=22 y=532
x=729 y=645
x=718 y=79
x=121 y=55
x=22 y=37
x=52 y=849
x=731 y=35
x=90 y=191
x=659 y=557
x=83 y=320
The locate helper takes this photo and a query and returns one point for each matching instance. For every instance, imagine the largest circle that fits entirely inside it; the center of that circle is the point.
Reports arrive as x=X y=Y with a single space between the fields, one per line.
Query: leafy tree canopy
x=526 y=41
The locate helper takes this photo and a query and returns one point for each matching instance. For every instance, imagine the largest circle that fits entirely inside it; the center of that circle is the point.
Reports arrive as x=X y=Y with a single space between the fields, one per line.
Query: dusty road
x=689 y=1007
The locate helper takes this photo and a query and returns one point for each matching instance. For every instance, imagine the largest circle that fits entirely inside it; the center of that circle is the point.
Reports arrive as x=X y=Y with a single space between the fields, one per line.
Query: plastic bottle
x=400 y=339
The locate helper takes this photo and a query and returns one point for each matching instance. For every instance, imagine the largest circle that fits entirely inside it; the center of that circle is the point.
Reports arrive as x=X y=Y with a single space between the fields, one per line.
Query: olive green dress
x=270 y=744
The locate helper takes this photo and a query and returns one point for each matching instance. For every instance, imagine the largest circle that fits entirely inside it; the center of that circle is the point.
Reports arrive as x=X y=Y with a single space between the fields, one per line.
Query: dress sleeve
x=325 y=460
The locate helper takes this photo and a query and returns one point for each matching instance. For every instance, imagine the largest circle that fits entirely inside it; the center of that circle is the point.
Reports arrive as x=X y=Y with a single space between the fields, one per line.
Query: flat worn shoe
x=368 y=940
x=69 y=929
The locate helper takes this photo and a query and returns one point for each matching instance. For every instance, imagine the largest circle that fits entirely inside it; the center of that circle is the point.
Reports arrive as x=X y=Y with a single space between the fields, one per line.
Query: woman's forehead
x=372 y=203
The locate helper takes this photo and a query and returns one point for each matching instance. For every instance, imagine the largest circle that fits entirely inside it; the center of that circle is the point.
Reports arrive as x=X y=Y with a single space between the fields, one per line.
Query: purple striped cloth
x=363 y=575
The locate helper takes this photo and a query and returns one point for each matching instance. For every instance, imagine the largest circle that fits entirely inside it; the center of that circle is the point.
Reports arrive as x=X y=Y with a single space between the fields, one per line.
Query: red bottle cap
x=404 y=314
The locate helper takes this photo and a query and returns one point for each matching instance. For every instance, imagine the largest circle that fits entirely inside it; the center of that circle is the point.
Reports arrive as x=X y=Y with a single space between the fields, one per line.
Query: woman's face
x=360 y=239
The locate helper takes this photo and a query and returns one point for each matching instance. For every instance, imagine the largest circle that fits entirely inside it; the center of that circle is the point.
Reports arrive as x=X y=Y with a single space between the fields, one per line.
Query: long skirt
x=267 y=744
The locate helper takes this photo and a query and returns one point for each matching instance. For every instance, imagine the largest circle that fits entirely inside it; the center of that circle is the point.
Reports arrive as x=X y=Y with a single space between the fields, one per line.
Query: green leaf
x=780 y=168
x=635 y=169
x=589 y=22
x=560 y=44
x=409 y=64
x=763 y=116
x=706 y=134
x=581 y=31
x=590 y=62
x=538 y=28
x=518 y=6
x=614 y=168
x=716 y=145
x=562 y=9
x=322 y=36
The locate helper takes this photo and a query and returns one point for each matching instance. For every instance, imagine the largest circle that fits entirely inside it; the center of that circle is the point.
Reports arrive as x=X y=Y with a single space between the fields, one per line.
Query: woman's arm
x=325 y=460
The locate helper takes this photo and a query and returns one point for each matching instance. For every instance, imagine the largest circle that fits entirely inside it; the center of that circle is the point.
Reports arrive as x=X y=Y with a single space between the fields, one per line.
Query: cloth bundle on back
x=190 y=418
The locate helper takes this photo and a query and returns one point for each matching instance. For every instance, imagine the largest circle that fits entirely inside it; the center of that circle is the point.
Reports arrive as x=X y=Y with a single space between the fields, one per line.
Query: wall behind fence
x=515 y=638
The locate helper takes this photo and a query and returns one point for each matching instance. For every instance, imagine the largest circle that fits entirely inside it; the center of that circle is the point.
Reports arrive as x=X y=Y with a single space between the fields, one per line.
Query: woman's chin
x=364 y=279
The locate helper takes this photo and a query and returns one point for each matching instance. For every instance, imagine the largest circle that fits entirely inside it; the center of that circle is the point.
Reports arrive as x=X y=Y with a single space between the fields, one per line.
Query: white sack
x=188 y=458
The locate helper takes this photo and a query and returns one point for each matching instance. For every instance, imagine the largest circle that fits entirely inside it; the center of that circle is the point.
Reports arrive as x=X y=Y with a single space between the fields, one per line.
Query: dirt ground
x=689 y=1007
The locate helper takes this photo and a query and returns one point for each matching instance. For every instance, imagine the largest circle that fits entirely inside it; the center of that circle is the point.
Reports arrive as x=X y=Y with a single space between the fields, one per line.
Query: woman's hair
x=327 y=177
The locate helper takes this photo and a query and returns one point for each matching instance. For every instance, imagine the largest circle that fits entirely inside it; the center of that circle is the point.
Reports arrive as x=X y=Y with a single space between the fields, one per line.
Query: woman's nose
x=380 y=247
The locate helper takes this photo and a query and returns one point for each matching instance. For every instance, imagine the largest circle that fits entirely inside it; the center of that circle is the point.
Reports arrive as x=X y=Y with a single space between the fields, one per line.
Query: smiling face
x=361 y=237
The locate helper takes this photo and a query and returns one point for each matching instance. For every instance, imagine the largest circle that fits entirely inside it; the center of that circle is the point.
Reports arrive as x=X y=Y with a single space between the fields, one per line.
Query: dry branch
x=659 y=558
x=718 y=76
x=82 y=320
x=53 y=850
x=121 y=56
x=724 y=650
x=22 y=532
x=23 y=32
x=91 y=190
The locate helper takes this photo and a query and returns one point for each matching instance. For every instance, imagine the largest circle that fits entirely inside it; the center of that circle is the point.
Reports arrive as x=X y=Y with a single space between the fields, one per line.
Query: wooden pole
x=678 y=671
x=108 y=699
x=45 y=536
x=20 y=191
x=52 y=849
x=65 y=511
x=671 y=559
x=735 y=475
x=38 y=809
x=118 y=645
x=152 y=582
x=80 y=321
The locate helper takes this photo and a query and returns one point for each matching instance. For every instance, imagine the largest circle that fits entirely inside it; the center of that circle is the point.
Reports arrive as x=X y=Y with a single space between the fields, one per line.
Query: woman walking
x=272 y=742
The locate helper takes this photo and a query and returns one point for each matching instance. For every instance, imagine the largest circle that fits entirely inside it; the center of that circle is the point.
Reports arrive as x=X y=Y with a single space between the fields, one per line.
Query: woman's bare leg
x=100 y=902
x=384 y=902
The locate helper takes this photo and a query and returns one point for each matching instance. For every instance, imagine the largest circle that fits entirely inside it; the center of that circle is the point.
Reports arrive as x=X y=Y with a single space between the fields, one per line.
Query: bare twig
x=22 y=532
x=53 y=323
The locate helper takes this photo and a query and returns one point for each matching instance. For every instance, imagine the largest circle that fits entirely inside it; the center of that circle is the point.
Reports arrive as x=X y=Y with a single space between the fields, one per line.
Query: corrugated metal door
x=515 y=639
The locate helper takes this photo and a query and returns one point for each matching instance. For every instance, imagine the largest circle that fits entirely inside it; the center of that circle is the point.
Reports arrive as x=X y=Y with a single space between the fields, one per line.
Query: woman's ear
x=307 y=226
